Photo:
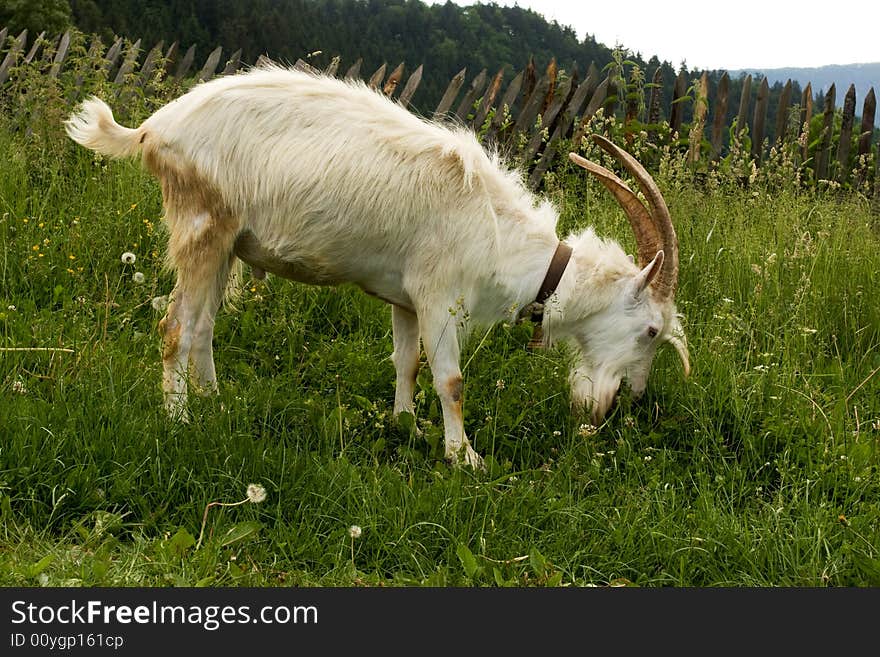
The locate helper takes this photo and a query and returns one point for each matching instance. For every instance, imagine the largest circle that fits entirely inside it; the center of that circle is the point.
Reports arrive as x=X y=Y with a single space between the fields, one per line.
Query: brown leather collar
x=558 y=263
x=554 y=272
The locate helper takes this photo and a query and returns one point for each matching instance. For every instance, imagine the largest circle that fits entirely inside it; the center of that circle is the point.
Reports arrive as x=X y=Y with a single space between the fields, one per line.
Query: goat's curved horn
x=647 y=240
x=666 y=281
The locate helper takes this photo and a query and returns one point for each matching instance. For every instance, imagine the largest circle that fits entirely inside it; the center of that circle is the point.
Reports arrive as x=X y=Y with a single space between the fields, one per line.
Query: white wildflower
x=355 y=531
x=128 y=258
x=256 y=493
x=587 y=430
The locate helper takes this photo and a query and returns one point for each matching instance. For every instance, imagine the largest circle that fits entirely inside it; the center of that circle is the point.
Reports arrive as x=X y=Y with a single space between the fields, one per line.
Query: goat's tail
x=94 y=127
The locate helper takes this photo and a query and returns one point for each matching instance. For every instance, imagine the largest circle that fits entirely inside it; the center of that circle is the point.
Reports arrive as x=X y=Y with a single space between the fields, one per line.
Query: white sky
x=709 y=34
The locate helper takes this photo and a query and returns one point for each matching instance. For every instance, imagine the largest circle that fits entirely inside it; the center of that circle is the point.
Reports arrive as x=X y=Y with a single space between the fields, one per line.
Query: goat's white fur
x=336 y=183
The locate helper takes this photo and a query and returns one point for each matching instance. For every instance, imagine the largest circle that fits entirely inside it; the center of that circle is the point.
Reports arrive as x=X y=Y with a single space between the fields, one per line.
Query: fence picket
x=450 y=93
x=701 y=106
x=149 y=64
x=779 y=134
x=720 y=114
x=186 y=63
x=467 y=102
x=846 y=128
x=210 y=66
x=488 y=99
x=376 y=78
x=60 y=54
x=34 y=48
x=825 y=147
x=867 y=128
x=410 y=87
x=679 y=95
x=393 y=80
x=12 y=55
x=760 y=118
x=806 y=118
x=354 y=71
x=234 y=62
x=745 y=99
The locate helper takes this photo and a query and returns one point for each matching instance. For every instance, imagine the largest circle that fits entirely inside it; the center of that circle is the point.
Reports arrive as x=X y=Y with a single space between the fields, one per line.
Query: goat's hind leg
x=188 y=327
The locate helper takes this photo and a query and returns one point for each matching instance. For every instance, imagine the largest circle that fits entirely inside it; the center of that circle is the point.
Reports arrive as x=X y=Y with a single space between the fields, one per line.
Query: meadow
x=761 y=469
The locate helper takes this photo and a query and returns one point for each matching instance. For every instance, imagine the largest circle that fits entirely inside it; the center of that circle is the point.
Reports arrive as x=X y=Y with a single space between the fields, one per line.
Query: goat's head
x=619 y=342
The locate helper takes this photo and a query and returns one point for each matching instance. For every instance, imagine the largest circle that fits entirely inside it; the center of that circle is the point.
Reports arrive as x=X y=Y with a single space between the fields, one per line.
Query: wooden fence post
x=466 y=104
x=596 y=101
x=744 y=101
x=393 y=80
x=450 y=93
x=410 y=87
x=782 y=114
x=210 y=66
x=149 y=64
x=488 y=99
x=867 y=129
x=679 y=95
x=504 y=106
x=60 y=54
x=185 y=63
x=128 y=63
x=701 y=105
x=34 y=48
x=378 y=75
x=719 y=115
x=825 y=141
x=758 y=123
x=12 y=55
x=806 y=118
x=234 y=62
x=844 y=145
x=533 y=104
x=354 y=71
x=332 y=67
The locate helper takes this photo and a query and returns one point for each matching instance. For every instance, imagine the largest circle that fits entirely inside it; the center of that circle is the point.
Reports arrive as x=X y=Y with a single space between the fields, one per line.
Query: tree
x=35 y=16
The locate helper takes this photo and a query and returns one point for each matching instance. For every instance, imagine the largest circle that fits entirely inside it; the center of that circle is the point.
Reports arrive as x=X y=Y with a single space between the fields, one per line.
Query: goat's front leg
x=439 y=335
x=405 y=326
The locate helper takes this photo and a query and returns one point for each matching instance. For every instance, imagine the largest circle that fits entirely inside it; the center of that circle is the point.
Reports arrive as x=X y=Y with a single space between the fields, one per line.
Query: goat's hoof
x=465 y=455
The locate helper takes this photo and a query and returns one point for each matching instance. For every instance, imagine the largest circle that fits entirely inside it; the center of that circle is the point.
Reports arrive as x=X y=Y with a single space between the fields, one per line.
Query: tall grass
x=761 y=469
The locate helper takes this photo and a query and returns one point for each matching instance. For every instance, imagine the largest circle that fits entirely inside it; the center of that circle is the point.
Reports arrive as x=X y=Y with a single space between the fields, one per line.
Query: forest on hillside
x=443 y=37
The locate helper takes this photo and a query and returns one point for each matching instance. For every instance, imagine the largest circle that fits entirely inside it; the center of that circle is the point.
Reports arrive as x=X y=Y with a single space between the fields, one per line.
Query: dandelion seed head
x=159 y=303
x=128 y=258
x=138 y=277
x=256 y=493
x=355 y=531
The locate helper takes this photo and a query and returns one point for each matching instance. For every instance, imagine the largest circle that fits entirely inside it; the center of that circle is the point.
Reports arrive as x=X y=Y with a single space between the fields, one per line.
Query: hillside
x=863 y=76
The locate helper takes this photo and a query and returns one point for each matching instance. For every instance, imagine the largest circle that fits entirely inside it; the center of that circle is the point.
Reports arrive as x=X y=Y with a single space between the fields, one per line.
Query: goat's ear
x=643 y=278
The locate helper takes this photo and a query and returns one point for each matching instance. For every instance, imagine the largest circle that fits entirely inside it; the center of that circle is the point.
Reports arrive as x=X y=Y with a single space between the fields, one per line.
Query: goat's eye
x=652 y=332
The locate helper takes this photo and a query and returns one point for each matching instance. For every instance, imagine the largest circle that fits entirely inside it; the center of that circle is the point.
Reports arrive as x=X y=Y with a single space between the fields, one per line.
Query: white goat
x=324 y=181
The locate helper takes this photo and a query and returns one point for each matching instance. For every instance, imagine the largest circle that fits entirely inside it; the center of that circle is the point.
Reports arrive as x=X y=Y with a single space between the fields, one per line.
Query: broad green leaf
x=240 y=532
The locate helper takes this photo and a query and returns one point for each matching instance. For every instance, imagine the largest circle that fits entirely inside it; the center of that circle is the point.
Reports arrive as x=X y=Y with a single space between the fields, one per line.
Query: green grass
x=761 y=469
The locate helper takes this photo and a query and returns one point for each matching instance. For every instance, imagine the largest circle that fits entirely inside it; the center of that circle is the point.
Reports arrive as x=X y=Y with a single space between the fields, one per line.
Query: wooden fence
x=529 y=113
